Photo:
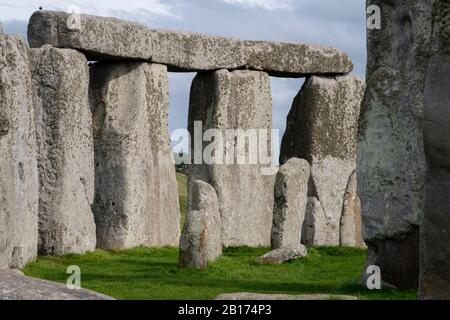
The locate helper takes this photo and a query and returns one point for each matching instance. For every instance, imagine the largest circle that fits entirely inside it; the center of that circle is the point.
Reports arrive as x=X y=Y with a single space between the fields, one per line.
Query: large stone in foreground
x=225 y=101
x=391 y=162
x=14 y=286
x=65 y=151
x=109 y=38
x=23 y=151
x=246 y=296
x=291 y=195
x=322 y=128
x=435 y=228
x=136 y=199
x=201 y=239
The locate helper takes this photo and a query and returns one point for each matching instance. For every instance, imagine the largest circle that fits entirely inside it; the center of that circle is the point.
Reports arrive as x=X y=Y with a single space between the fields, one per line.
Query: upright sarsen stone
x=291 y=195
x=201 y=240
x=435 y=227
x=322 y=128
x=228 y=101
x=65 y=151
x=136 y=199
x=23 y=151
x=391 y=160
x=6 y=166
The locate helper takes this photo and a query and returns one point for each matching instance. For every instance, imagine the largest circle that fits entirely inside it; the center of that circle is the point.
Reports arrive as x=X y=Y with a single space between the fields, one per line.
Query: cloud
x=265 y=4
x=140 y=10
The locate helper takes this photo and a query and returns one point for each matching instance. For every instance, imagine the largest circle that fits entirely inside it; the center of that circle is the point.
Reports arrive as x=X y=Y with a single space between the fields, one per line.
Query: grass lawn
x=144 y=273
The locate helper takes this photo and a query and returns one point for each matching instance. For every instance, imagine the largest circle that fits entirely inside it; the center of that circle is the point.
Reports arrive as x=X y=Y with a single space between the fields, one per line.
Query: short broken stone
x=283 y=254
x=291 y=195
x=201 y=239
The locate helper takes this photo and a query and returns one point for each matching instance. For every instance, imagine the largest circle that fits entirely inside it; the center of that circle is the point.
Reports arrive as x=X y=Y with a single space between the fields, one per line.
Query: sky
x=327 y=22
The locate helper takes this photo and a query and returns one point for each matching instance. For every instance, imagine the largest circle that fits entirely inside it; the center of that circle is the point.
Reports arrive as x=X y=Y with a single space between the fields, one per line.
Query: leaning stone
x=65 y=151
x=24 y=154
x=201 y=239
x=283 y=254
x=435 y=227
x=291 y=191
x=14 y=286
x=391 y=161
x=226 y=101
x=322 y=128
x=136 y=199
x=351 y=226
x=247 y=296
x=108 y=38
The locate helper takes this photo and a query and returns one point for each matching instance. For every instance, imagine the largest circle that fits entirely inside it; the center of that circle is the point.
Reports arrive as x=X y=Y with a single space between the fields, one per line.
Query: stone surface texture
x=351 y=225
x=435 y=227
x=391 y=161
x=245 y=296
x=283 y=254
x=291 y=195
x=65 y=151
x=136 y=202
x=225 y=101
x=14 y=286
x=102 y=38
x=23 y=151
x=322 y=128
x=201 y=239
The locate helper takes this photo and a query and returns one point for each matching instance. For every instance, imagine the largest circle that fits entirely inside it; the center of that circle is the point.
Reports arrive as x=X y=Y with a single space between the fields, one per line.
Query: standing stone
x=228 y=101
x=351 y=225
x=23 y=151
x=391 y=161
x=6 y=166
x=435 y=228
x=291 y=195
x=322 y=128
x=201 y=240
x=136 y=199
x=65 y=151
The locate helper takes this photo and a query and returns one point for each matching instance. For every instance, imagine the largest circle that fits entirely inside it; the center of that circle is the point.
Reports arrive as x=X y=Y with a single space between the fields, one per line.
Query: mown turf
x=144 y=273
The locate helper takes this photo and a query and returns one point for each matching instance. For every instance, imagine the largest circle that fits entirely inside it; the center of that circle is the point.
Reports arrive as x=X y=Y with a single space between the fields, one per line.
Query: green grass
x=144 y=273
x=182 y=193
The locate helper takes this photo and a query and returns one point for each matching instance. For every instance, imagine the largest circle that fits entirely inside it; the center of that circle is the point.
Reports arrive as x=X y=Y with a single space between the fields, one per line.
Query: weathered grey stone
x=6 y=166
x=230 y=100
x=201 y=240
x=291 y=194
x=391 y=162
x=14 y=286
x=107 y=38
x=322 y=128
x=283 y=254
x=65 y=151
x=23 y=151
x=136 y=202
x=246 y=296
x=351 y=226
x=435 y=227
x=296 y=59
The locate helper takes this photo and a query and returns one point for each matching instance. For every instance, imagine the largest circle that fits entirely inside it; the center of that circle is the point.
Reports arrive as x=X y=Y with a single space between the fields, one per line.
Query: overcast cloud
x=328 y=22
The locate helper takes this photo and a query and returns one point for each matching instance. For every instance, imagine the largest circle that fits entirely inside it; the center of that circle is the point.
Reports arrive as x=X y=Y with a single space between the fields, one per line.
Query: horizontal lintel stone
x=103 y=38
